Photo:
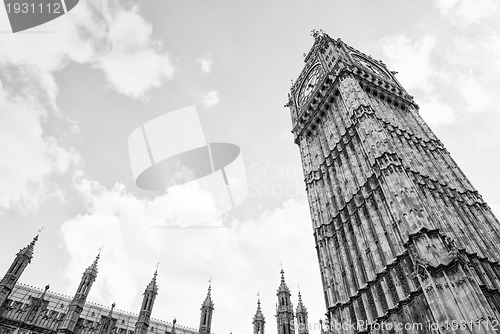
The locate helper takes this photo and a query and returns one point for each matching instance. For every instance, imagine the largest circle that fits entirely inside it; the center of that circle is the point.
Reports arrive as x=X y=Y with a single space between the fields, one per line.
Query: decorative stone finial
x=111 y=310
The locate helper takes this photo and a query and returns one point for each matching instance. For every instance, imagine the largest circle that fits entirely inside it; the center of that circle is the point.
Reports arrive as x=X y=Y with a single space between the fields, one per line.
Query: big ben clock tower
x=405 y=243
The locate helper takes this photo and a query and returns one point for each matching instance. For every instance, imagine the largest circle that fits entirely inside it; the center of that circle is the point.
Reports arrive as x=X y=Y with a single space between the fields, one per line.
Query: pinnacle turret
x=283 y=287
x=208 y=299
x=142 y=324
x=29 y=249
x=23 y=258
x=259 y=321
x=68 y=324
x=302 y=316
x=92 y=269
x=258 y=314
x=207 y=310
x=284 y=308
x=300 y=306
x=152 y=286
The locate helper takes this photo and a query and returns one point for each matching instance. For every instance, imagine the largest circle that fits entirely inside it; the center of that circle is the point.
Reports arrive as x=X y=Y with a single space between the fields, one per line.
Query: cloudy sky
x=72 y=91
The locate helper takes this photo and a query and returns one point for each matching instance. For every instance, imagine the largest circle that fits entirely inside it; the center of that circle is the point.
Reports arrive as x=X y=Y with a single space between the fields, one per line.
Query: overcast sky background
x=71 y=94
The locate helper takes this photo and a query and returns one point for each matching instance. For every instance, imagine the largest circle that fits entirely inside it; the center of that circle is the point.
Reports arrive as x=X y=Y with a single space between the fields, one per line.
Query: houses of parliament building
x=28 y=310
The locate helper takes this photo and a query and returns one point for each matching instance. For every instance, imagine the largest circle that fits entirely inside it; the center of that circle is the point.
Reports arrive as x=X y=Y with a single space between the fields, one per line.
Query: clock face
x=369 y=65
x=309 y=84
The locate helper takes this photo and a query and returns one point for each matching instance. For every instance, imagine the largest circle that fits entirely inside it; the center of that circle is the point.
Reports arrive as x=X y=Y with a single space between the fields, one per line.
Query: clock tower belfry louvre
x=402 y=236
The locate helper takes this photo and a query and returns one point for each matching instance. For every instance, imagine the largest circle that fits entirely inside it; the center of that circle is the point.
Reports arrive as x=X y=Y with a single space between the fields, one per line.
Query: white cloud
x=484 y=140
x=134 y=62
x=419 y=73
x=210 y=98
x=103 y=34
x=206 y=62
x=447 y=75
x=27 y=157
x=465 y=51
x=412 y=60
x=476 y=84
x=435 y=112
x=188 y=257
x=477 y=97
x=465 y=12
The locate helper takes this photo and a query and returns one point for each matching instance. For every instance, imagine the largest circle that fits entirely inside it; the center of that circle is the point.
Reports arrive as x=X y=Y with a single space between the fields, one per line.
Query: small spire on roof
x=111 y=310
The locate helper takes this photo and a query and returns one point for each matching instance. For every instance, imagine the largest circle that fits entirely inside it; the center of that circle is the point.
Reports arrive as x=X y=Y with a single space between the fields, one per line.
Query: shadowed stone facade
x=401 y=234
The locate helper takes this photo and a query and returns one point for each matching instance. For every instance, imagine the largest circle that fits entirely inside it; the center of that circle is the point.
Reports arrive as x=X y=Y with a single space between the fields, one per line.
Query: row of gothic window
x=52 y=314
